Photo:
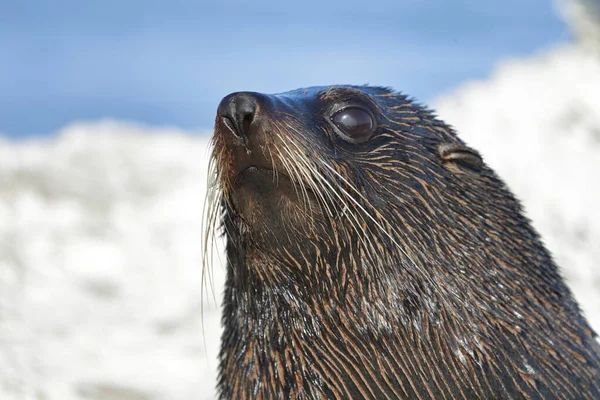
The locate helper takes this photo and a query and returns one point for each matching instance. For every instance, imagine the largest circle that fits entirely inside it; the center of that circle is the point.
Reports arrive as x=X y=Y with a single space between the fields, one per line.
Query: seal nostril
x=246 y=122
x=230 y=125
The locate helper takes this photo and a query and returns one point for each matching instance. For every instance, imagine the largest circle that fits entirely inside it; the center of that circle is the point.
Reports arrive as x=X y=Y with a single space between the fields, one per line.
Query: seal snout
x=241 y=134
x=238 y=111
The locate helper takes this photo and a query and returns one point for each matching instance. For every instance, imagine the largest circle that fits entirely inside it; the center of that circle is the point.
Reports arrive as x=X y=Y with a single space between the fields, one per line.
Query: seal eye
x=356 y=124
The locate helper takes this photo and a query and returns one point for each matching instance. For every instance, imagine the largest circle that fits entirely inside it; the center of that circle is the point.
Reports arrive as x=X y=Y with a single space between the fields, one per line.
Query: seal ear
x=459 y=154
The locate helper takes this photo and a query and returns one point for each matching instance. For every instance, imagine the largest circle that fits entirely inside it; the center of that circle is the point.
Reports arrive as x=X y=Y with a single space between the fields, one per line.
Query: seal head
x=372 y=254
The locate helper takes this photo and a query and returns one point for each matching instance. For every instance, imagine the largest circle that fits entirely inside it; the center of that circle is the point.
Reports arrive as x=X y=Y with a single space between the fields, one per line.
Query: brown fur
x=401 y=267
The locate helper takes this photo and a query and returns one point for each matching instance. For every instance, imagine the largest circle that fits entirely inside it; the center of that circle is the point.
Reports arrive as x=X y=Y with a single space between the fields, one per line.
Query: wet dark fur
x=429 y=284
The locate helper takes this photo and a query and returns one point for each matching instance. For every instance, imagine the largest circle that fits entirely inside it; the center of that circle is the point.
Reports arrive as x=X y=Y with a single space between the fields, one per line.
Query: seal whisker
x=275 y=171
x=209 y=223
x=318 y=176
x=354 y=221
x=368 y=215
x=296 y=182
x=364 y=238
x=314 y=177
x=297 y=173
x=311 y=174
x=299 y=160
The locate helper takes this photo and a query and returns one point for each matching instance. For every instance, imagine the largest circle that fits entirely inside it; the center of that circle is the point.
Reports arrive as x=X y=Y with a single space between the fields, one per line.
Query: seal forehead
x=333 y=91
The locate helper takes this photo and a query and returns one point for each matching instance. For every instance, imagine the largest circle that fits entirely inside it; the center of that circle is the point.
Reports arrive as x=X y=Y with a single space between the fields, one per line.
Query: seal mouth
x=253 y=170
x=244 y=160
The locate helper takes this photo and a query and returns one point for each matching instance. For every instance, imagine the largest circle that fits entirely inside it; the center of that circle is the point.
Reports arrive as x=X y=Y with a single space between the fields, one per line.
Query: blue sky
x=170 y=62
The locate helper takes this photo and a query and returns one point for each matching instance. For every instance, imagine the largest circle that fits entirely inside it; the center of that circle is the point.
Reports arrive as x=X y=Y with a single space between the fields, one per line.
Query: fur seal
x=372 y=254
